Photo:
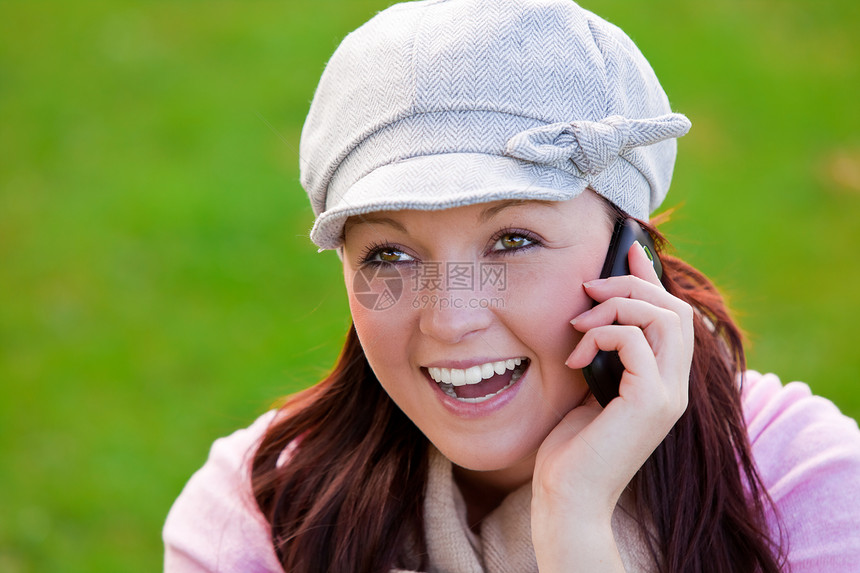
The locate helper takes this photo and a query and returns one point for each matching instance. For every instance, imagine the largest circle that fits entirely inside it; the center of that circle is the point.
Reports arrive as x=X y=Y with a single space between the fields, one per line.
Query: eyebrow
x=494 y=210
x=373 y=219
x=484 y=216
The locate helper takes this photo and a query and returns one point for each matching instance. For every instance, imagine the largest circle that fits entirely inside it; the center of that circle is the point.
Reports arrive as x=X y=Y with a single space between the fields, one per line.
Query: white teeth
x=449 y=390
x=458 y=377
x=474 y=374
x=487 y=370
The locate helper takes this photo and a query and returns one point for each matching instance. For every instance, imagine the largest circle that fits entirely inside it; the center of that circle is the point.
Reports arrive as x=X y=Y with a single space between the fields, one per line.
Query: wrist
x=556 y=499
x=572 y=529
x=574 y=543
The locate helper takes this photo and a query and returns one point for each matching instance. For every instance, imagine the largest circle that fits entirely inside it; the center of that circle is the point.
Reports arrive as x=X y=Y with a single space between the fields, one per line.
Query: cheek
x=546 y=296
x=382 y=314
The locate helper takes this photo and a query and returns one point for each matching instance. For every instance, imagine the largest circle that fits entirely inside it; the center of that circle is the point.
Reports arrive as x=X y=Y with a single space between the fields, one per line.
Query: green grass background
x=157 y=287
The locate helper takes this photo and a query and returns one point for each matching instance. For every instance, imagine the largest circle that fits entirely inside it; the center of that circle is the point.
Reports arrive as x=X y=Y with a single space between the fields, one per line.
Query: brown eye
x=385 y=256
x=510 y=241
x=389 y=255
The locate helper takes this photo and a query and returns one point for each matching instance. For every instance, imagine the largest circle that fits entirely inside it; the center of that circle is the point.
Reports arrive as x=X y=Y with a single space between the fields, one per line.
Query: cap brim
x=442 y=181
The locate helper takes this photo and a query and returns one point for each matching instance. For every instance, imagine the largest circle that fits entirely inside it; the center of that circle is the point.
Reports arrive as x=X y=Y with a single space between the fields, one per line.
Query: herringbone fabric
x=441 y=103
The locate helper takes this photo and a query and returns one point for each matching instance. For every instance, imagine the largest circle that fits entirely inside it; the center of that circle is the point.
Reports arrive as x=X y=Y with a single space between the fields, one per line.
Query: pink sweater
x=807 y=452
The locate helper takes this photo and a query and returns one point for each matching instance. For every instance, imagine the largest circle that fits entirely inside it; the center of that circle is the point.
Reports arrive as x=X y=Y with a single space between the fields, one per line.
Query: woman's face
x=442 y=299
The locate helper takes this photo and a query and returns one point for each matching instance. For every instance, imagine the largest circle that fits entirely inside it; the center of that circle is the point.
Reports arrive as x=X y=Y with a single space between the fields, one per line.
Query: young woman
x=471 y=162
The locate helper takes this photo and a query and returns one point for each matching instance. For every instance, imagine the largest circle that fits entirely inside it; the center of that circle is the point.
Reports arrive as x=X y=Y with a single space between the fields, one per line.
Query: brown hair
x=700 y=489
x=350 y=497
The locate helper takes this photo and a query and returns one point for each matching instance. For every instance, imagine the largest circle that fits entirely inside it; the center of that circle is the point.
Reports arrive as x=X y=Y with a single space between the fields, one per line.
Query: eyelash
x=534 y=241
x=372 y=250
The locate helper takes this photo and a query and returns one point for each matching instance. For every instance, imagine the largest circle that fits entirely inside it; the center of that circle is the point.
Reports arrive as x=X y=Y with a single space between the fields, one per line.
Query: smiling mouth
x=479 y=383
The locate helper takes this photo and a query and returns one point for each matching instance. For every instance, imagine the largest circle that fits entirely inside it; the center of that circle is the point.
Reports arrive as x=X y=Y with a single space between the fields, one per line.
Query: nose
x=451 y=319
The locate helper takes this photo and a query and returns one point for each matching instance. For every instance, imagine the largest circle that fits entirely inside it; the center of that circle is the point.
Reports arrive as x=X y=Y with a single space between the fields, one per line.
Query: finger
x=663 y=329
x=630 y=343
x=641 y=383
x=623 y=310
x=661 y=325
x=628 y=286
x=633 y=287
x=641 y=265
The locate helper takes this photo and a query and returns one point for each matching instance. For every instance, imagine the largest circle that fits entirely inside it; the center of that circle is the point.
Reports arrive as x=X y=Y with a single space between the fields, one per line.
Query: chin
x=491 y=457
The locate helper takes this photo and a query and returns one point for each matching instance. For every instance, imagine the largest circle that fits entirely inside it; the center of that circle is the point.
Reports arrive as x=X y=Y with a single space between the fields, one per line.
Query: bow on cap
x=593 y=145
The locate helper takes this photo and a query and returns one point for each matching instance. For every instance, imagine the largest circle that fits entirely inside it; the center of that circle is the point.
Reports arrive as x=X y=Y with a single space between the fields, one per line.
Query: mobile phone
x=603 y=375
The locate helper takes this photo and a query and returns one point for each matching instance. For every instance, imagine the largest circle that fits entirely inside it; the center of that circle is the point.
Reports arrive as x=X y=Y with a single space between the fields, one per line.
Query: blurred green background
x=157 y=287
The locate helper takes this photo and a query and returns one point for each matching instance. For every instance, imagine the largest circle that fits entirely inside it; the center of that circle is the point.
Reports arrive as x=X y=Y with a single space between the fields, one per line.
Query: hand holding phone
x=589 y=458
x=604 y=373
x=591 y=455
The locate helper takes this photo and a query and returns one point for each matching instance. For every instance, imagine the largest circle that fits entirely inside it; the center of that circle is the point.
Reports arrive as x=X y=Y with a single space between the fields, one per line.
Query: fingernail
x=647 y=252
x=581 y=316
x=594 y=283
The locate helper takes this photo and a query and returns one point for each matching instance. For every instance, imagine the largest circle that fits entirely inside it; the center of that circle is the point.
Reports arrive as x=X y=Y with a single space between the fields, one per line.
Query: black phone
x=603 y=375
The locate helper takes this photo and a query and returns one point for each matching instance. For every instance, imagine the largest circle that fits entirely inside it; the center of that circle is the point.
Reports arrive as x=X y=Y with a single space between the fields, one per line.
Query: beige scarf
x=504 y=545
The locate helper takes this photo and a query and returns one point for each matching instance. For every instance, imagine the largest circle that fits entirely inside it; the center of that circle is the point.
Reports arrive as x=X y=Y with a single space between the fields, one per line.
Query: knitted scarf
x=504 y=544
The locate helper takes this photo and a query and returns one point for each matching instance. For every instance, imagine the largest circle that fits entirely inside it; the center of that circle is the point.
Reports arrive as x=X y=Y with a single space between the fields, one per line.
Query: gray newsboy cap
x=442 y=103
